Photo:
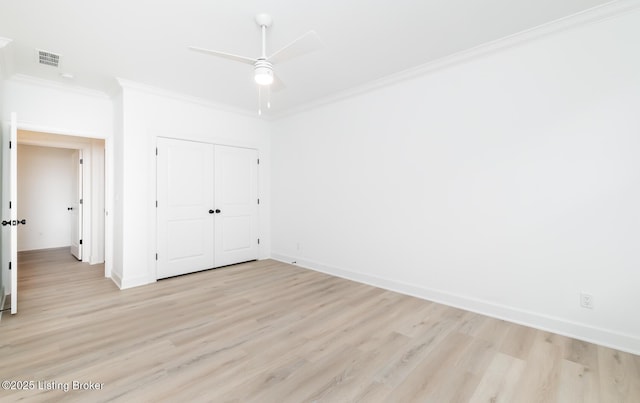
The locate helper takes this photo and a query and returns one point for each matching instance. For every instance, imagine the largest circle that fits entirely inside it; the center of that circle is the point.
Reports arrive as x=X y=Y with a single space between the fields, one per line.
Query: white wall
x=51 y=108
x=147 y=114
x=506 y=185
x=45 y=184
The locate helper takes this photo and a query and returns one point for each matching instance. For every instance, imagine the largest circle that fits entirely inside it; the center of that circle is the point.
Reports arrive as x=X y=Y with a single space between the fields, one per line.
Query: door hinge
x=156 y=204
x=81 y=161
x=9 y=265
x=9 y=203
x=80 y=201
x=156 y=256
x=81 y=242
x=156 y=150
x=9 y=144
x=258 y=201
x=258 y=161
x=258 y=241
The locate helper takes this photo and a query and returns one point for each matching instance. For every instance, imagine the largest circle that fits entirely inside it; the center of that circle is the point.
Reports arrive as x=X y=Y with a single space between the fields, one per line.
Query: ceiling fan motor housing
x=264 y=20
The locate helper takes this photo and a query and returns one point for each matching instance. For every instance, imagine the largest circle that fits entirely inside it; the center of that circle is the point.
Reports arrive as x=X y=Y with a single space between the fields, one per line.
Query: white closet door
x=236 y=199
x=185 y=199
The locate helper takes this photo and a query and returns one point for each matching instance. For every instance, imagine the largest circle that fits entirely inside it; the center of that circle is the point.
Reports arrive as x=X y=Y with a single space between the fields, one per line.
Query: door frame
x=77 y=204
x=9 y=263
x=153 y=218
x=83 y=142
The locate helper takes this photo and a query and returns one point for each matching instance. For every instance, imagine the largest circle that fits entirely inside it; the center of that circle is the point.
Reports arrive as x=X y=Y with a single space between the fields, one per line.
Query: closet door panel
x=236 y=197
x=185 y=196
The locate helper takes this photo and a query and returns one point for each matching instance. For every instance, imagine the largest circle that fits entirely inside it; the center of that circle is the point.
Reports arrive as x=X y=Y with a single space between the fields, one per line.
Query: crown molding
x=4 y=42
x=149 y=89
x=4 y=58
x=26 y=79
x=589 y=16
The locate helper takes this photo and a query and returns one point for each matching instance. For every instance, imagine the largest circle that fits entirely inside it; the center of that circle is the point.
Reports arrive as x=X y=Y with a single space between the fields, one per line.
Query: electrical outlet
x=586 y=300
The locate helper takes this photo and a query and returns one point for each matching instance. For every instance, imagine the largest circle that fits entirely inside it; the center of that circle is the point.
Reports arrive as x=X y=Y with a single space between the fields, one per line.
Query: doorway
x=61 y=194
x=49 y=194
x=97 y=190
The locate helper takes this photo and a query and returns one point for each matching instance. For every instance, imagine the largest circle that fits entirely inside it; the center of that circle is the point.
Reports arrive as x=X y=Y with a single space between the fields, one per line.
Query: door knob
x=69 y=208
x=218 y=211
x=14 y=222
x=211 y=211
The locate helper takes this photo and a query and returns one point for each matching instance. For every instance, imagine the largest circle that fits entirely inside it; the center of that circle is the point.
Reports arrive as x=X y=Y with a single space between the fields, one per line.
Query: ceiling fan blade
x=307 y=43
x=277 y=84
x=224 y=55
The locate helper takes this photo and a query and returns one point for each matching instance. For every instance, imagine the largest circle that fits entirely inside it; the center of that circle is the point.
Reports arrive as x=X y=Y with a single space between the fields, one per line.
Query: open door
x=76 y=205
x=13 y=206
x=10 y=203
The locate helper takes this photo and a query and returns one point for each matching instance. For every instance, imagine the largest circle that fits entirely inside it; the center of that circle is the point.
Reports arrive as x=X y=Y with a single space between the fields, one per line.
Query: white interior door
x=236 y=205
x=13 y=210
x=76 y=205
x=185 y=207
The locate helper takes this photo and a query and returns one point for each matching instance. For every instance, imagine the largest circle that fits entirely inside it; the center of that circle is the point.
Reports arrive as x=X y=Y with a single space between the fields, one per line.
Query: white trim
x=4 y=42
x=133 y=282
x=32 y=127
x=2 y=300
x=109 y=175
x=154 y=248
x=116 y=280
x=87 y=214
x=86 y=146
x=581 y=331
x=591 y=15
x=126 y=84
x=73 y=145
x=26 y=79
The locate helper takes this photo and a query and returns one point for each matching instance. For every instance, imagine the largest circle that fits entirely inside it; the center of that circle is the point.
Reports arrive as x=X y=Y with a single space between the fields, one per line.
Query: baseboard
x=124 y=283
x=581 y=331
x=55 y=249
x=115 y=277
x=3 y=298
x=135 y=282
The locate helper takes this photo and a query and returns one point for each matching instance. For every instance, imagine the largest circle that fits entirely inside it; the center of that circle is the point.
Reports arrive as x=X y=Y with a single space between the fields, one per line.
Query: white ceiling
x=146 y=41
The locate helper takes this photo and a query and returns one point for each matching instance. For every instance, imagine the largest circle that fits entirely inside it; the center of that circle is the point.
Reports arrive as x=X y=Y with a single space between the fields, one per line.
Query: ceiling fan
x=263 y=65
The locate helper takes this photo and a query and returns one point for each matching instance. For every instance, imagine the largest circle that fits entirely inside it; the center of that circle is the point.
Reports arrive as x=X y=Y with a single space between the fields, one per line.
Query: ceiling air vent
x=48 y=58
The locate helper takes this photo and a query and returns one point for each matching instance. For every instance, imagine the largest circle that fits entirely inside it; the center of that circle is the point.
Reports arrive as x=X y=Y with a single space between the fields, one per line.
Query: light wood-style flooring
x=271 y=332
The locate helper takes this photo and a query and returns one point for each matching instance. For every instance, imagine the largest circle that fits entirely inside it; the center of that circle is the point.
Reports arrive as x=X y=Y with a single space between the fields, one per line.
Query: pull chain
x=269 y=97
x=260 y=98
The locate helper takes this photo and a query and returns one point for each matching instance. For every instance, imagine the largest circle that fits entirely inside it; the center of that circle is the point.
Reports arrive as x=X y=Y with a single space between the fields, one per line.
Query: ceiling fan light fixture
x=263 y=73
x=264 y=76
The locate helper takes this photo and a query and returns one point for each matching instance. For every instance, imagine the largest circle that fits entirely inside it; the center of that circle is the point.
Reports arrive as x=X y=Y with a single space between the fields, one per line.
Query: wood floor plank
x=619 y=376
x=498 y=385
x=427 y=381
x=540 y=379
x=267 y=331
